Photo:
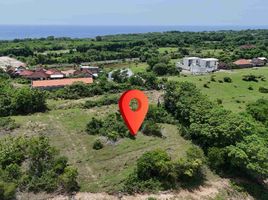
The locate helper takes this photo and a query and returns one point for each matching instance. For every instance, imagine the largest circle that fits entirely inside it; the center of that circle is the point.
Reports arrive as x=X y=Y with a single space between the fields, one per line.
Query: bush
x=250 y=78
x=259 y=110
x=7 y=191
x=94 y=126
x=219 y=101
x=154 y=165
x=68 y=179
x=97 y=145
x=46 y=170
x=112 y=127
x=212 y=78
x=150 y=128
x=227 y=79
x=7 y=124
x=263 y=90
x=156 y=171
x=107 y=100
x=250 y=88
x=206 y=85
x=158 y=114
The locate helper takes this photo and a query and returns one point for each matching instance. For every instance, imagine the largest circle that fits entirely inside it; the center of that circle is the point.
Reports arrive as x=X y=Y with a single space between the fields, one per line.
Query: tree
x=185 y=102
x=259 y=110
x=29 y=101
x=98 y=38
x=222 y=128
x=154 y=164
x=160 y=69
x=251 y=156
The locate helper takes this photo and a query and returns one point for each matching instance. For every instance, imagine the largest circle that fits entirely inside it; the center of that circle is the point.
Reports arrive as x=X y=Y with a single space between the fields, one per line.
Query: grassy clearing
x=135 y=67
x=234 y=95
x=102 y=170
x=167 y=49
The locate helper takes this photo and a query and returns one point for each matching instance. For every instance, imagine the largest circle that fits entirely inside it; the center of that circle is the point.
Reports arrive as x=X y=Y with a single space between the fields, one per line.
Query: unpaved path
x=207 y=192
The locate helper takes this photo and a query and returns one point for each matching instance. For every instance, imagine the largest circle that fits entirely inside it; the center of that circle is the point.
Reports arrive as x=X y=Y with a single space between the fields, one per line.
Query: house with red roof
x=59 y=83
x=39 y=74
x=243 y=63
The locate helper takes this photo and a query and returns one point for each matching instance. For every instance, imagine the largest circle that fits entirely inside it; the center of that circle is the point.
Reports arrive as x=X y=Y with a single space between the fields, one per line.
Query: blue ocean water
x=10 y=32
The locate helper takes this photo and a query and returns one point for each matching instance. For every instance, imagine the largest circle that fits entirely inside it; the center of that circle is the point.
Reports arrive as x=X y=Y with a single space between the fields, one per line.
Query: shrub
x=212 y=78
x=216 y=157
x=46 y=170
x=97 y=145
x=156 y=171
x=263 y=90
x=250 y=88
x=227 y=79
x=220 y=81
x=68 y=179
x=7 y=190
x=219 y=101
x=106 y=100
x=259 y=110
x=150 y=128
x=250 y=78
x=94 y=126
x=206 y=85
x=112 y=127
x=7 y=124
x=154 y=164
x=159 y=115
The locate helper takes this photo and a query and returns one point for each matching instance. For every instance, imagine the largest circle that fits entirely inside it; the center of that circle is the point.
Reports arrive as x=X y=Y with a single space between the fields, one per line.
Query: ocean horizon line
x=11 y=32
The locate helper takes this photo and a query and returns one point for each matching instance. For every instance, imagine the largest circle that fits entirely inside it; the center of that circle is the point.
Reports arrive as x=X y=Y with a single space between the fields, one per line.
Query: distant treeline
x=52 y=50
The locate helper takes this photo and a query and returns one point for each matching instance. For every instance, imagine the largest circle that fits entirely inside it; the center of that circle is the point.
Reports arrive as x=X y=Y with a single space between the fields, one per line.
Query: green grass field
x=105 y=169
x=135 y=67
x=167 y=49
x=234 y=95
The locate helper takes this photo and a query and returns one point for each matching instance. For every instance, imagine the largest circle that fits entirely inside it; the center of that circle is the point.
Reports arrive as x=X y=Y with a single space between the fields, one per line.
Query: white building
x=127 y=71
x=94 y=70
x=198 y=65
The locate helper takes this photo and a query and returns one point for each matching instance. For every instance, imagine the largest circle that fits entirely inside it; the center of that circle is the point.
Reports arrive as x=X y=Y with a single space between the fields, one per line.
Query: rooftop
x=209 y=59
x=60 y=82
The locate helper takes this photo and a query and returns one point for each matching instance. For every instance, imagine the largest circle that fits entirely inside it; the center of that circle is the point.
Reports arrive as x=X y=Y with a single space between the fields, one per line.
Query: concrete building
x=198 y=65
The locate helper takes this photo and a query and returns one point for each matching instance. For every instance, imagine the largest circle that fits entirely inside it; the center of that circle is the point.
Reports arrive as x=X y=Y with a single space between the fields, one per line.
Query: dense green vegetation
x=232 y=141
x=156 y=171
x=225 y=114
x=33 y=165
x=20 y=101
x=222 y=44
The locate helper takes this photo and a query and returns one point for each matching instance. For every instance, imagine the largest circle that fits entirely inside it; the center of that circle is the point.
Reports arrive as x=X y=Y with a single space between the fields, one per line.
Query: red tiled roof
x=39 y=74
x=53 y=71
x=242 y=62
x=26 y=73
x=68 y=72
x=60 y=82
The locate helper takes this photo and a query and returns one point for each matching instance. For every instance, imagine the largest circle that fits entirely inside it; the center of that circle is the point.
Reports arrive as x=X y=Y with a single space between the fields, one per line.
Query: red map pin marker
x=133 y=119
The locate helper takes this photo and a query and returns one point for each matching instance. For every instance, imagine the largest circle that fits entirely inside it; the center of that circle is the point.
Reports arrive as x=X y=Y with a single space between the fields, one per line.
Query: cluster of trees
x=102 y=86
x=232 y=141
x=15 y=101
x=161 y=65
x=113 y=126
x=156 y=171
x=49 y=50
x=31 y=164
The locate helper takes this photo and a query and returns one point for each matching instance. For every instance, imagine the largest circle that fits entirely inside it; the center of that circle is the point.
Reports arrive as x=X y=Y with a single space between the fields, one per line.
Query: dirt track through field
x=208 y=191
